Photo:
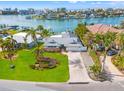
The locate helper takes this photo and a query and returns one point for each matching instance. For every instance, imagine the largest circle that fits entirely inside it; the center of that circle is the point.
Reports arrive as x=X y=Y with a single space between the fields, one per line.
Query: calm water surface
x=56 y=25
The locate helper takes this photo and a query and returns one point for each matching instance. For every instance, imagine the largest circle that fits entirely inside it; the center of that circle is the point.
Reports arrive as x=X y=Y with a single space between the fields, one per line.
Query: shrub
x=119 y=62
x=96 y=69
x=44 y=62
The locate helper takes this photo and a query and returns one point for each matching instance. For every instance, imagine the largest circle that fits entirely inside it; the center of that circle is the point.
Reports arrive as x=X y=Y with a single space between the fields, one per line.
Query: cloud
x=73 y=2
x=56 y=2
x=96 y=3
x=113 y=3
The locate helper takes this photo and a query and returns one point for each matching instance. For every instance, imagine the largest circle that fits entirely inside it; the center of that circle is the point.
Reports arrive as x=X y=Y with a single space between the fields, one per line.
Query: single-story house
x=21 y=39
x=103 y=28
x=65 y=40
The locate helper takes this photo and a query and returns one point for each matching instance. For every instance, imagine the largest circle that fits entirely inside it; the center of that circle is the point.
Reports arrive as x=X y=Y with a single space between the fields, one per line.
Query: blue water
x=56 y=25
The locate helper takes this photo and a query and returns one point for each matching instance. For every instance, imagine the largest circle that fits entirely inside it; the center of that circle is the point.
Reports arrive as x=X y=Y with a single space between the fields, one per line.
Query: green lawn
x=23 y=71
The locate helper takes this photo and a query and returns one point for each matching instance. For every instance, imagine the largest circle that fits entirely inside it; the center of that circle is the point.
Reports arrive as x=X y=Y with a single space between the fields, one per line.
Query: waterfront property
x=103 y=28
x=66 y=41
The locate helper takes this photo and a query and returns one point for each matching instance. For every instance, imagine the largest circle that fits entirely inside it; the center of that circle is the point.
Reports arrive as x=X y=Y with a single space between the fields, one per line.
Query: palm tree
x=120 y=41
x=108 y=39
x=38 y=53
x=98 y=39
x=32 y=32
x=25 y=40
x=88 y=39
x=81 y=30
x=45 y=33
x=40 y=28
x=8 y=47
x=38 y=50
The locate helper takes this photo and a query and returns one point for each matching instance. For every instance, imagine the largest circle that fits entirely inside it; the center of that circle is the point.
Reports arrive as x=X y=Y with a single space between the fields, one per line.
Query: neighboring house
x=103 y=28
x=20 y=39
x=3 y=35
x=15 y=27
x=66 y=40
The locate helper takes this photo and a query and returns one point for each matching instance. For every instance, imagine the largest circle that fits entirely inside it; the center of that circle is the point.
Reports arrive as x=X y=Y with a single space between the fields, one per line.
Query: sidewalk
x=87 y=60
x=112 y=70
x=77 y=70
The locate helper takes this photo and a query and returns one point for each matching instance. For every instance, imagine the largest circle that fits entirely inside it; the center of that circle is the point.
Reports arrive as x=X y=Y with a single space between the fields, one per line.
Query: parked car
x=100 y=48
x=112 y=52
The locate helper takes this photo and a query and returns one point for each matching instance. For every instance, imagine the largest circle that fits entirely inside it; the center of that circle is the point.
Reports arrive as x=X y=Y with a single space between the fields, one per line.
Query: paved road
x=99 y=86
x=6 y=85
x=77 y=70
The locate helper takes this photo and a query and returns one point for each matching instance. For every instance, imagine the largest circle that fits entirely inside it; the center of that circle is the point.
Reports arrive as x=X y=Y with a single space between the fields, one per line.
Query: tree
x=81 y=30
x=45 y=33
x=98 y=40
x=38 y=53
x=108 y=39
x=120 y=41
x=8 y=47
x=32 y=32
x=88 y=39
x=25 y=40
x=40 y=28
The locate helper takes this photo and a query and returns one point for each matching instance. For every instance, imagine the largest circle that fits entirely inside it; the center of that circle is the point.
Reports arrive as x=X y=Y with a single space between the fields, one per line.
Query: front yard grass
x=23 y=72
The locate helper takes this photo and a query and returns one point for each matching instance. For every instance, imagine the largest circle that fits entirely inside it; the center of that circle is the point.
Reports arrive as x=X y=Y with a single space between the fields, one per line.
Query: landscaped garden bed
x=45 y=62
x=118 y=61
x=96 y=67
x=24 y=72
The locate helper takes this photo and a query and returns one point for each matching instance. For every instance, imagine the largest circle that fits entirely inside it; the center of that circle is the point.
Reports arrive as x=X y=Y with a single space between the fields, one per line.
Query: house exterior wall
x=70 y=43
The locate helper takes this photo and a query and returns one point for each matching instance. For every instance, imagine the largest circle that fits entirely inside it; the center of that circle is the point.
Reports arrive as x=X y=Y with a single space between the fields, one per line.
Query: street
x=8 y=85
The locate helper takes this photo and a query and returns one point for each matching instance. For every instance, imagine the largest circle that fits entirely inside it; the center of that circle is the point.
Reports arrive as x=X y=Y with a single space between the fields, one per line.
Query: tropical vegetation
x=22 y=70
x=108 y=40
x=27 y=63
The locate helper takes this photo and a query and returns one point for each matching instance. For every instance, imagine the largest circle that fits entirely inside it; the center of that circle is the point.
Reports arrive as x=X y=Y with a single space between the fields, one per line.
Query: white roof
x=56 y=36
x=20 y=34
x=65 y=38
x=19 y=37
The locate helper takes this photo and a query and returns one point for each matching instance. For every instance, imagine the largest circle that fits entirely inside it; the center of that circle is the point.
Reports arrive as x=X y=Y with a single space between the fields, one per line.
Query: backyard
x=22 y=70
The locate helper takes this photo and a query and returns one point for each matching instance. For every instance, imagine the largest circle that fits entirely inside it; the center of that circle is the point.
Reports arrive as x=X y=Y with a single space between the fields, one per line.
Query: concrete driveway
x=111 y=70
x=77 y=70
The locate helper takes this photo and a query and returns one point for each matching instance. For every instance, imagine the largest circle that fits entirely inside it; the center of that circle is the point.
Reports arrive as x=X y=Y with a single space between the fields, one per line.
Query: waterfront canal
x=56 y=25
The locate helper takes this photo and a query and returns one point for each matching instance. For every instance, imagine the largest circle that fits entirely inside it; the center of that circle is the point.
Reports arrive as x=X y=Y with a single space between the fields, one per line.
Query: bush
x=44 y=62
x=119 y=62
x=96 y=69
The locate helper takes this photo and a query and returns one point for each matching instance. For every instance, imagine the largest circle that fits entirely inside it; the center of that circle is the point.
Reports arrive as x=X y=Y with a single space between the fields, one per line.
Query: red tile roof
x=103 y=28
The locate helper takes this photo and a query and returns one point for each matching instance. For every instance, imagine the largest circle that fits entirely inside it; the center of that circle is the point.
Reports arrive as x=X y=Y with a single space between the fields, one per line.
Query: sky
x=60 y=4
